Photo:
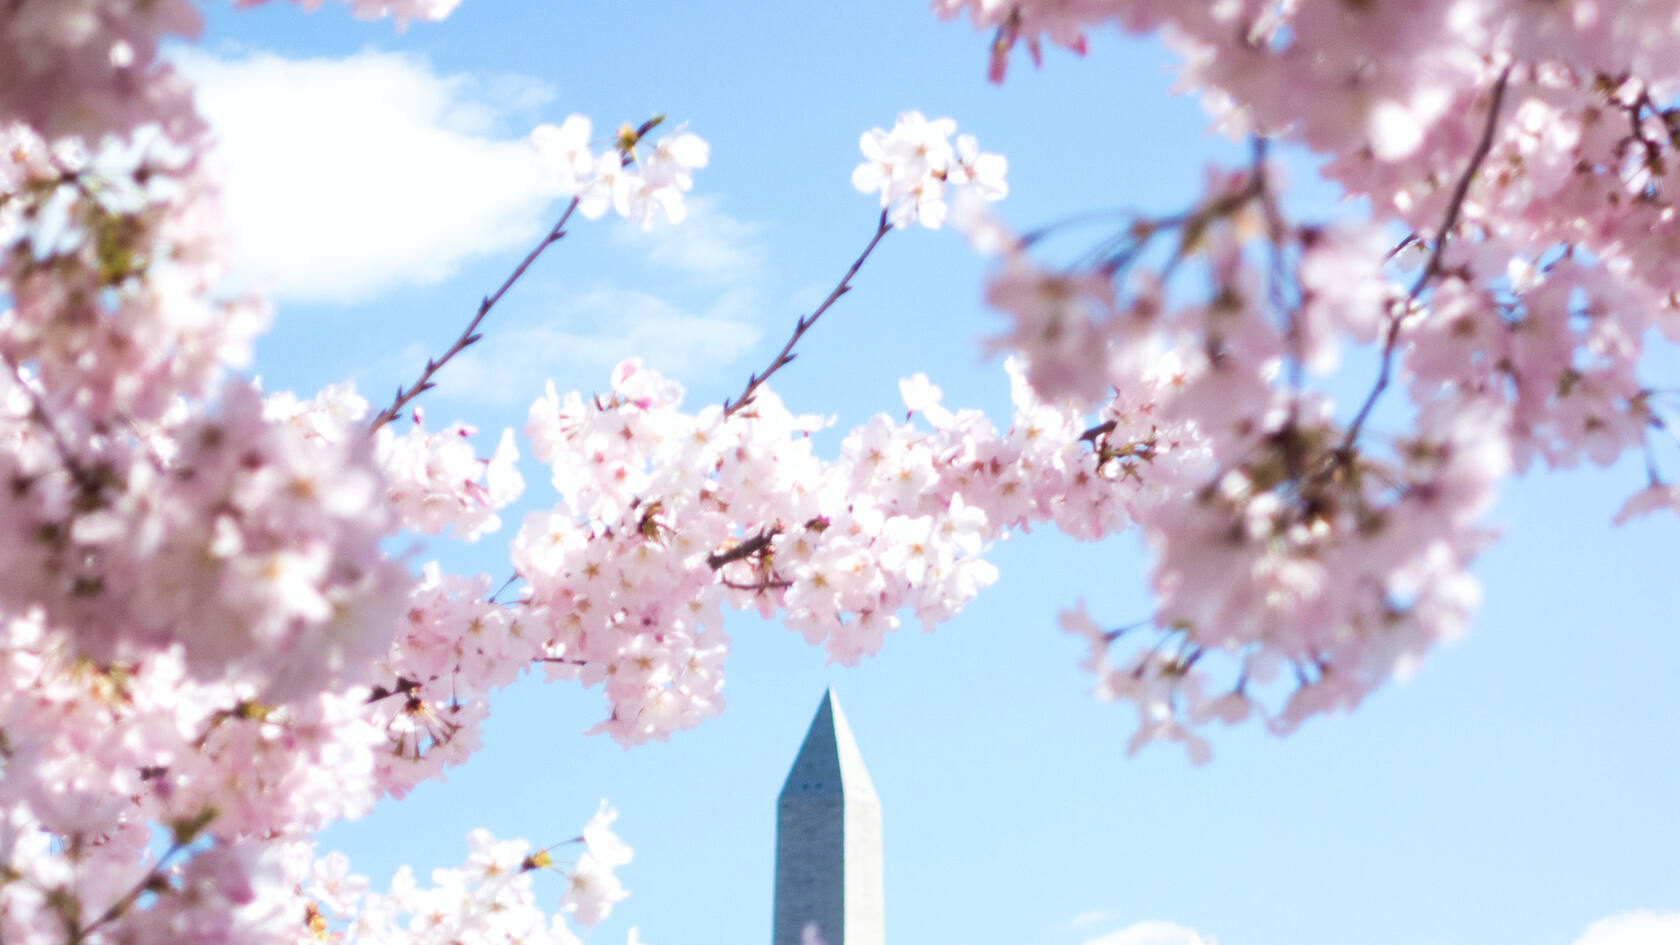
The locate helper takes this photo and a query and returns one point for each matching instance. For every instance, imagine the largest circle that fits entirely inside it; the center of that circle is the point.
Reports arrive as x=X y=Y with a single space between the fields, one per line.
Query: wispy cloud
x=1643 y=927
x=578 y=342
x=710 y=246
x=347 y=177
x=1153 y=932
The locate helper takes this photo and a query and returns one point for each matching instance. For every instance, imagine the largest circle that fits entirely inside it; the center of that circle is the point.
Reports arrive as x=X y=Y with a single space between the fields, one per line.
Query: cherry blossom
x=637 y=183
x=1526 y=156
x=912 y=164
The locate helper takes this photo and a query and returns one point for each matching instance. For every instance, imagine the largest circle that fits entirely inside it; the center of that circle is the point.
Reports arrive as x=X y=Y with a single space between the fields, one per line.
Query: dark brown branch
x=1456 y=205
x=1653 y=161
x=786 y=355
x=402 y=687
x=1276 y=229
x=765 y=585
x=1101 y=429
x=1433 y=267
x=470 y=334
x=745 y=549
x=154 y=881
x=89 y=484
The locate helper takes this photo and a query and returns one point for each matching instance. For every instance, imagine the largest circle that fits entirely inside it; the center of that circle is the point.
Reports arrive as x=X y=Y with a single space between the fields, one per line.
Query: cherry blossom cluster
x=488 y=898
x=626 y=578
x=914 y=164
x=87 y=68
x=109 y=262
x=627 y=575
x=198 y=610
x=630 y=571
x=634 y=181
x=1318 y=550
x=1296 y=566
x=233 y=535
x=98 y=758
x=222 y=893
x=246 y=893
x=431 y=690
x=239 y=730
x=434 y=479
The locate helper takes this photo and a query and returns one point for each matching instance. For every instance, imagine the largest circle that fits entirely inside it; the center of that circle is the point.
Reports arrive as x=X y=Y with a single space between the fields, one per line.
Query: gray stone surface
x=828 y=841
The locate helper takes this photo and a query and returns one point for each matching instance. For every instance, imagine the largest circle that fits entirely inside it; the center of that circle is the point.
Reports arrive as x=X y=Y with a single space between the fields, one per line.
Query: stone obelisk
x=828 y=841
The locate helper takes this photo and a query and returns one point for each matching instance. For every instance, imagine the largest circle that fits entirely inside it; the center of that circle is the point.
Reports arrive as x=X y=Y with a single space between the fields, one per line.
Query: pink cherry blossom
x=912 y=164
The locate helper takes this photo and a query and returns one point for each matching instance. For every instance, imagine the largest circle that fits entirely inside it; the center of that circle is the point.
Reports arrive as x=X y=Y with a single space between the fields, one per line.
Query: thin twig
x=85 y=479
x=1432 y=268
x=1456 y=205
x=1191 y=225
x=1276 y=229
x=1078 y=219
x=768 y=584
x=117 y=908
x=1651 y=472
x=470 y=334
x=505 y=585
x=1411 y=239
x=786 y=355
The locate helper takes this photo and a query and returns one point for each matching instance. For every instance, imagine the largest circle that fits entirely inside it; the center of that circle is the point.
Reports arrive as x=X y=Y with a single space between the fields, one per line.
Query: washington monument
x=828 y=841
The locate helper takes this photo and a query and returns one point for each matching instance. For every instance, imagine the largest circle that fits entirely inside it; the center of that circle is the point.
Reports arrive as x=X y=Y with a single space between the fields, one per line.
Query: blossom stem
x=505 y=585
x=1651 y=471
x=745 y=549
x=85 y=479
x=786 y=355
x=1275 y=273
x=470 y=334
x=769 y=584
x=1432 y=268
x=1100 y=430
x=116 y=909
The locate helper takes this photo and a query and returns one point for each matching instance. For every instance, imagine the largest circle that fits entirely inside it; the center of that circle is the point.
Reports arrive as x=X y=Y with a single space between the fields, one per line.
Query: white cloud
x=1634 y=928
x=584 y=336
x=1089 y=918
x=1153 y=932
x=710 y=245
x=347 y=177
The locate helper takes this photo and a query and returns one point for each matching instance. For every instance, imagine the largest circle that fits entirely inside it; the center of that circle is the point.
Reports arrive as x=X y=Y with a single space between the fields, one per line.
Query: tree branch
x=470 y=334
x=786 y=355
x=89 y=483
x=1432 y=268
x=745 y=549
x=1102 y=429
x=147 y=883
x=767 y=584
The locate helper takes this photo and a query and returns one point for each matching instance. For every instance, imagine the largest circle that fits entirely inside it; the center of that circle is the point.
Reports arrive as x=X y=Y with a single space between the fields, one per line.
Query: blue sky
x=1519 y=789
